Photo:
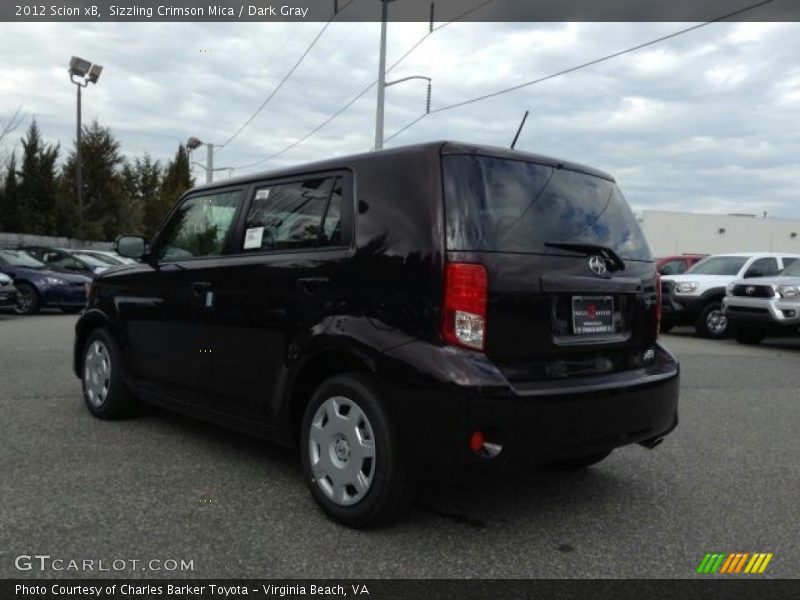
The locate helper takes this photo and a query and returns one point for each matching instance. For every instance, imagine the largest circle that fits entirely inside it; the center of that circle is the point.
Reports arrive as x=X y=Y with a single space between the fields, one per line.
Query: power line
x=363 y=91
x=575 y=68
x=285 y=78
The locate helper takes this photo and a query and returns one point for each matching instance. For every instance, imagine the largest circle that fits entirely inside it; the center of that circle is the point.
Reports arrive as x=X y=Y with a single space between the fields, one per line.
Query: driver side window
x=762 y=267
x=199 y=227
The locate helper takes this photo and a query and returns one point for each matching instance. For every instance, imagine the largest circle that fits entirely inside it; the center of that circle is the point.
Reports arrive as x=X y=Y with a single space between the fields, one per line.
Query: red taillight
x=658 y=303
x=464 y=307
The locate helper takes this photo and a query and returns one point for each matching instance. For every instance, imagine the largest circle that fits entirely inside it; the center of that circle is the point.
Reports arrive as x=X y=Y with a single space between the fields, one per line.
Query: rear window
x=502 y=205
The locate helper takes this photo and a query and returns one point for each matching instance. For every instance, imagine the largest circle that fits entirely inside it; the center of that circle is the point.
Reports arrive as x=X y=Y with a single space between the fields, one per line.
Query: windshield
x=107 y=259
x=718 y=265
x=17 y=258
x=92 y=261
x=503 y=205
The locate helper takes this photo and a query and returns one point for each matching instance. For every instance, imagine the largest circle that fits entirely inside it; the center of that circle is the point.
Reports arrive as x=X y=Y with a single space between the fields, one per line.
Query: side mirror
x=130 y=246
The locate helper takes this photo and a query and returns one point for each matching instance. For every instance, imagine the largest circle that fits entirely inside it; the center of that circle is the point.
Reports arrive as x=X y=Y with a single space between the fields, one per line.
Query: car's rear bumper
x=533 y=423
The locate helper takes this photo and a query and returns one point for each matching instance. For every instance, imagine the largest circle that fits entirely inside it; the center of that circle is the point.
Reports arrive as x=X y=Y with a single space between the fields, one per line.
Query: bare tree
x=12 y=123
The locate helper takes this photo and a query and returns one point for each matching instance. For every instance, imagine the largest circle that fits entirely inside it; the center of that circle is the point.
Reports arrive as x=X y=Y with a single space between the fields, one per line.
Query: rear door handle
x=310 y=284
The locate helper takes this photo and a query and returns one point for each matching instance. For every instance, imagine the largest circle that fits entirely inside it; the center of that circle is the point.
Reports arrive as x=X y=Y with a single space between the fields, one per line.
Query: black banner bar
x=399 y=10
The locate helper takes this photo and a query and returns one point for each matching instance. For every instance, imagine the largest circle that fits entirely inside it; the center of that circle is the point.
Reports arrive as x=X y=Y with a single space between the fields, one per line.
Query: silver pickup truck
x=764 y=305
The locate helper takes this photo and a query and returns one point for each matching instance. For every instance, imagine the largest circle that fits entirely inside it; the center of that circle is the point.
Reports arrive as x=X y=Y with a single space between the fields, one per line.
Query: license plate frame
x=592 y=315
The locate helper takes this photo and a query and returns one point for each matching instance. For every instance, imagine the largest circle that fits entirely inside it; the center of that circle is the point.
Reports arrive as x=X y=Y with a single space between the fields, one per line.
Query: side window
x=787 y=260
x=762 y=267
x=300 y=214
x=673 y=267
x=199 y=226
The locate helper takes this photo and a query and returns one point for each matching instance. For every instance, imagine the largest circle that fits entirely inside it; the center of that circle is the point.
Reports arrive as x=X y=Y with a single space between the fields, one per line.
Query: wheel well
x=83 y=330
x=313 y=373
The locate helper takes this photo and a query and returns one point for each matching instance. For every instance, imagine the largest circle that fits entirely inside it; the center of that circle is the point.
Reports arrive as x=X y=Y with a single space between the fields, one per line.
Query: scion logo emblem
x=597 y=265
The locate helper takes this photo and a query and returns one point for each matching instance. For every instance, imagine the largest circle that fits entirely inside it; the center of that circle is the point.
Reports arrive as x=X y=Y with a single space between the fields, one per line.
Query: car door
x=164 y=306
x=278 y=283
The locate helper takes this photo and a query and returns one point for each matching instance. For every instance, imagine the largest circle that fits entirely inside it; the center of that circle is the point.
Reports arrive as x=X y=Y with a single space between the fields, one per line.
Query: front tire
x=351 y=453
x=104 y=389
x=712 y=322
x=28 y=301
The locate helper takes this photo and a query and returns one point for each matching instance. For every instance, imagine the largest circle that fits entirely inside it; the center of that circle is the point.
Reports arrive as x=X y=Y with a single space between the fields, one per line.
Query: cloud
x=702 y=121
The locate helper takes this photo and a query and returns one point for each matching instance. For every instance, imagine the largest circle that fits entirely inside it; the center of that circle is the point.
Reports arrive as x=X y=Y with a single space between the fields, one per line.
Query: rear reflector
x=464 y=307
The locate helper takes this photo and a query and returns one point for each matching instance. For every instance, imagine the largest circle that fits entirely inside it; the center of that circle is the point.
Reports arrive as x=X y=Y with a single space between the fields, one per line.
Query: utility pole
x=210 y=163
x=381 y=77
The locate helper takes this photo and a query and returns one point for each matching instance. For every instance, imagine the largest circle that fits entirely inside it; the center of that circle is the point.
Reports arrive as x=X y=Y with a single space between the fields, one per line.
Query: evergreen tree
x=176 y=180
x=37 y=184
x=145 y=179
x=10 y=214
x=102 y=184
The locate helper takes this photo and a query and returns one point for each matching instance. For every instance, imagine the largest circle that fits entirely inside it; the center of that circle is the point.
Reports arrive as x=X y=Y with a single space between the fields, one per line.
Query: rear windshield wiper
x=607 y=253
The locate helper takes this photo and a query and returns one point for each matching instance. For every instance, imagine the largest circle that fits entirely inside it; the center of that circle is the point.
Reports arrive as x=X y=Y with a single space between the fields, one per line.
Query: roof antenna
x=521 y=125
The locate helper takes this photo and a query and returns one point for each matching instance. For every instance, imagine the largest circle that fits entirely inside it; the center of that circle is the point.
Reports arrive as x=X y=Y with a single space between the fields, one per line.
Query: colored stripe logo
x=733 y=563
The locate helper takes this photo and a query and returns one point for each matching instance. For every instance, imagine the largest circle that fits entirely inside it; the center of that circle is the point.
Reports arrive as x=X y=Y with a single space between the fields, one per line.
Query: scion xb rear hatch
x=571 y=282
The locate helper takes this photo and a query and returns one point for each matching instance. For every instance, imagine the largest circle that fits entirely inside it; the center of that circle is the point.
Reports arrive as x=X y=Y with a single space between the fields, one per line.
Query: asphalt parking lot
x=167 y=487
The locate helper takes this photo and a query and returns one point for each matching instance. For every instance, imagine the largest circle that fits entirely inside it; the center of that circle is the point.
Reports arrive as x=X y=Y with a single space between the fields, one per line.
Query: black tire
x=71 y=310
x=118 y=401
x=390 y=492
x=579 y=462
x=28 y=301
x=749 y=335
x=703 y=325
x=666 y=326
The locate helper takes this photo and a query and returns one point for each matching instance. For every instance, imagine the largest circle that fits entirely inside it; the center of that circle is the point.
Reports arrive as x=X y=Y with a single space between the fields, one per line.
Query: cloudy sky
x=706 y=122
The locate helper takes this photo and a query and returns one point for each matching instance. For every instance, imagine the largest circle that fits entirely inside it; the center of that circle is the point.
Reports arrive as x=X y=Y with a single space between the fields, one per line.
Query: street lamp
x=194 y=143
x=81 y=73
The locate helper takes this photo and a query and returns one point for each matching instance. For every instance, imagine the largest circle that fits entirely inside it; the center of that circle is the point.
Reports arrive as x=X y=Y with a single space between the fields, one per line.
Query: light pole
x=382 y=85
x=194 y=143
x=81 y=73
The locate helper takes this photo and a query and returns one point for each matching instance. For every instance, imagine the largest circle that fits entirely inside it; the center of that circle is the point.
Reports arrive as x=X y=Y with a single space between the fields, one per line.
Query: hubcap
x=716 y=321
x=341 y=449
x=24 y=300
x=97 y=373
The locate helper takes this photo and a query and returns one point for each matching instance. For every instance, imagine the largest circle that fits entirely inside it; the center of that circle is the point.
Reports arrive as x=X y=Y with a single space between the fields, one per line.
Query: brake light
x=658 y=303
x=464 y=305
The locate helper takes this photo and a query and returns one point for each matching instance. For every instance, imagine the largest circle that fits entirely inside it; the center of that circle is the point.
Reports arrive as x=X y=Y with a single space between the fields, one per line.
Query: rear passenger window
x=301 y=214
x=787 y=260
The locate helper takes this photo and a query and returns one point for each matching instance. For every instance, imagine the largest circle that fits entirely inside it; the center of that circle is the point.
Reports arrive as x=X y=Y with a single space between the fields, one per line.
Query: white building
x=670 y=232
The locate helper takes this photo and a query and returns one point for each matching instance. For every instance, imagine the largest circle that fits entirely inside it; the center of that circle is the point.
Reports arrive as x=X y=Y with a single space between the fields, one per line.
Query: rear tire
x=28 y=301
x=104 y=389
x=351 y=456
x=712 y=323
x=579 y=462
x=750 y=336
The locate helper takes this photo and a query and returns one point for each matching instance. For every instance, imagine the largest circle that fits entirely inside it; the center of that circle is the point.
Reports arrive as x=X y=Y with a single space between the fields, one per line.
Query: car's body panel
x=239 y=338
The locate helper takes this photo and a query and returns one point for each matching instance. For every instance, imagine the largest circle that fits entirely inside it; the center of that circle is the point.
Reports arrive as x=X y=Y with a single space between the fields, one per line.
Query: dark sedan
x=39 y=287
x=65 y=259
x=8 y=293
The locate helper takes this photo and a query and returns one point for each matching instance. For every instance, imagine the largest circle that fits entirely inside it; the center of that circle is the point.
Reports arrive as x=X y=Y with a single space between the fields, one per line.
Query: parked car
x=39 y=287
x=65 y=259
x=677 y=263
x=414 y=309
x=758 y=307
x=695 y=298
x=110 y=258
x=8 y=293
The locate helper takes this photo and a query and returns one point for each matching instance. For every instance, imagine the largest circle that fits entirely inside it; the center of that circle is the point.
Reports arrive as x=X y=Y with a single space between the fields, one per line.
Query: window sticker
x=252 y=238
x=262 y=194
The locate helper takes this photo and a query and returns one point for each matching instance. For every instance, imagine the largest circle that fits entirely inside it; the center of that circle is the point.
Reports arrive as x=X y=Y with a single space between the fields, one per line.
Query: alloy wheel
x=97 y=373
